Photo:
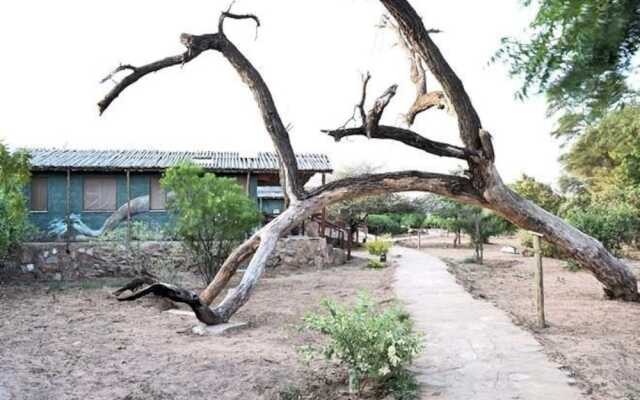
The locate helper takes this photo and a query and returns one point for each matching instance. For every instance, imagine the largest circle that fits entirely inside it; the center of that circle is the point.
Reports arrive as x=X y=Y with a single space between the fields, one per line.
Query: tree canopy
x=580 y=54
x=14 y=175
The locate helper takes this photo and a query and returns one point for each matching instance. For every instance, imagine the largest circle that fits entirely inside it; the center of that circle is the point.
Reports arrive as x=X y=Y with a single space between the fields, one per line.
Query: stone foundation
x=81 y=260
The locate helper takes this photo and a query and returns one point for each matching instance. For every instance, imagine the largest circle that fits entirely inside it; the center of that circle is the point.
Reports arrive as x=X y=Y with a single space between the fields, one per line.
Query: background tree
x=480 y=225
x=580 y=54
x=14 y=175
x=211 y=215
x=538 y=192
x=607 y=155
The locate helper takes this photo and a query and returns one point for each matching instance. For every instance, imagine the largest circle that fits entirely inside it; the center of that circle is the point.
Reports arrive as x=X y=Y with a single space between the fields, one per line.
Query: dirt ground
x=77 y=342
x=596 y=340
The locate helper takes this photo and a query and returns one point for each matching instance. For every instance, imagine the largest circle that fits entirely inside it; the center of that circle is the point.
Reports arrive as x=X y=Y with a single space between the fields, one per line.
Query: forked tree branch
x=197 y=44
x=417 y=35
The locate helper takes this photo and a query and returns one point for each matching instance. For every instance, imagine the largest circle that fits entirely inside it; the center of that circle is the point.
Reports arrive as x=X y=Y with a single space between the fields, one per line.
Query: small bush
x=547 y=249
x=140 y=230
x=374 y=345
x=384 y=224
x=375 y=264
x=379 y=246
x=572 y=266
x=402 y=386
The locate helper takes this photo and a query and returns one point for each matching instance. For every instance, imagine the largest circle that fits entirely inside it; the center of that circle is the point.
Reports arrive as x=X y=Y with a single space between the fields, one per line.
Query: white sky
x=311 y=54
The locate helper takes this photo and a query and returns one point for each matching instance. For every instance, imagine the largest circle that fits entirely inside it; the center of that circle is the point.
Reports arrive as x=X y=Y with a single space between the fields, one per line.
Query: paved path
x=473 y=350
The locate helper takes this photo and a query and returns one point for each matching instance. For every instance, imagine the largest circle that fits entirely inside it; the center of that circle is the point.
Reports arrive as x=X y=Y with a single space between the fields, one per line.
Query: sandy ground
x=596 y=340
x=79 y=343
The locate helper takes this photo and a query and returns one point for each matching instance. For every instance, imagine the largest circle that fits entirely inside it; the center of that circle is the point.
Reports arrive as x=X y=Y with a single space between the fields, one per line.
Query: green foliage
x=538 y=192
x=402 y=386
x=572 y=266
x=579 y=53
x=379 y=224
x=14 y=175
x=608 y=154
x=211 y=214
x=373 y=344
x=613 y=225
x=140 y=230
x=547 y=249
x=379 y=246
x=375 y=264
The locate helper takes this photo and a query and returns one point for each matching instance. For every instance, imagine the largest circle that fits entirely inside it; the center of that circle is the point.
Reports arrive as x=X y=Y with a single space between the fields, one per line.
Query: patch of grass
x=375 y=264
x=572 y=266
x=290 y=393
x=402 y=385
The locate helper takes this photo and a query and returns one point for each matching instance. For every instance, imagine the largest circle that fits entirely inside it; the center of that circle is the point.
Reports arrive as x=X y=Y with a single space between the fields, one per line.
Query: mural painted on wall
x=58 y=228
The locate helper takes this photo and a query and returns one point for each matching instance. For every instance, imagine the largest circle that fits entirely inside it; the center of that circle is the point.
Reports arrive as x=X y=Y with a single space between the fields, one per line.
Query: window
x=100 y=193
x=39 y=194
x=157 y=196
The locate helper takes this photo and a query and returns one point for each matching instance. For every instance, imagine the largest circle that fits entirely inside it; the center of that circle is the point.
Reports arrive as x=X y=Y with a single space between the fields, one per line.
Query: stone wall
x=81 y=260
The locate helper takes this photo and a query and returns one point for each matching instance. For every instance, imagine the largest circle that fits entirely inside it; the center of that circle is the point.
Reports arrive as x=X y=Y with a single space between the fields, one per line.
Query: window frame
x=46 y=200
x=151 y=208
x=84 y=193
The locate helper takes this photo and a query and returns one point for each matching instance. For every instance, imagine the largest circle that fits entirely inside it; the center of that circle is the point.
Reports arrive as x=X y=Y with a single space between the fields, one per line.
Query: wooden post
x=349 y=242
x=128 y=207
x=539 y=281
x=323 y=217
x=419 y=239
x=67 y=209
x=248 y=184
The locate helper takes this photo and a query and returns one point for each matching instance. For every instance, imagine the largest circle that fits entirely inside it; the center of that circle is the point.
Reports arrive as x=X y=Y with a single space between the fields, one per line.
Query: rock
x=27 y=268
x=509 y=250
x=218 y=330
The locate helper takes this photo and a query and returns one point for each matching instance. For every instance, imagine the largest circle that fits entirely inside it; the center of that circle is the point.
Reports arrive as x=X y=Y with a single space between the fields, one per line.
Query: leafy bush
x=379 y=246
x=211 y=215
x=547 y=249
x=140 y=230
x=375 y=264
x=14 y=175
x=373 y=344
x=379 y=224
x=612 y=226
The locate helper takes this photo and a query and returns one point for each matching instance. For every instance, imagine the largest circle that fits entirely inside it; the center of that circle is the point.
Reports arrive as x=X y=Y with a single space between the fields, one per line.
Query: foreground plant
x=481 y=184
x=375 y=346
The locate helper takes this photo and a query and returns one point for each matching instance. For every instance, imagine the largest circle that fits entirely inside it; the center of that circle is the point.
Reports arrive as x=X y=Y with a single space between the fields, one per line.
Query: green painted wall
x=140 y=185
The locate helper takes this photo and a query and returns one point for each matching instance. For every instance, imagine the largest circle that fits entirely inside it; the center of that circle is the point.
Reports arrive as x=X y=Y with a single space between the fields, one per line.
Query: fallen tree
x=482 y=185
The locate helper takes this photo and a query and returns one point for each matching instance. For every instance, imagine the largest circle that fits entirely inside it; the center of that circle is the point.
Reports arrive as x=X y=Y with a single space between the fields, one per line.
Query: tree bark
x=483 y=187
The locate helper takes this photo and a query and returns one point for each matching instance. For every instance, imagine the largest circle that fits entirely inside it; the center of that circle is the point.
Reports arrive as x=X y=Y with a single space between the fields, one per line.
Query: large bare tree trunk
x=482 y=186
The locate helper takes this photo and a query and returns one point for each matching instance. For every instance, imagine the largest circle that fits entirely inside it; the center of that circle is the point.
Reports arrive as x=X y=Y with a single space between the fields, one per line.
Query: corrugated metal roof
x=56 y=159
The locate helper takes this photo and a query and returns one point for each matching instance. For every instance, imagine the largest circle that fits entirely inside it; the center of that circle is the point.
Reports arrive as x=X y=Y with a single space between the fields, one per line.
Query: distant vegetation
x=14 y=176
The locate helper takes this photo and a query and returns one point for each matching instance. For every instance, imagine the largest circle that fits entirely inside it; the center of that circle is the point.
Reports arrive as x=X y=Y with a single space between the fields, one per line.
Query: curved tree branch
x=408 y=137
x=196 y=44
x=418 y=37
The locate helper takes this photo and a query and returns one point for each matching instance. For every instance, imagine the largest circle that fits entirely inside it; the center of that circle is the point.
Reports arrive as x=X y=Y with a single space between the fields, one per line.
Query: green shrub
x=379 y=224
x=379 y=246
x=211 y=215
x=613 y=226
x=375 y=264
x=572 y=266
x=140 y=230
x=547 y=249
x=14 y=175
x=373 y=344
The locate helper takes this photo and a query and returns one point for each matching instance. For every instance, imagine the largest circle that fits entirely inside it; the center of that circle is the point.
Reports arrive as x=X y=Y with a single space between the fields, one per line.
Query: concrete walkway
x=473 y=350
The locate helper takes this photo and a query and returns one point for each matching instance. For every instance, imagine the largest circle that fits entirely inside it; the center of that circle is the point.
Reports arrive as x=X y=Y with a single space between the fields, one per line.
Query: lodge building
x=95 y=190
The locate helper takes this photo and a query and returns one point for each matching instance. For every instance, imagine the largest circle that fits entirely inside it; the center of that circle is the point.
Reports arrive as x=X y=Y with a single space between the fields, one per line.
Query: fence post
x=419 y=239
x=539 y=281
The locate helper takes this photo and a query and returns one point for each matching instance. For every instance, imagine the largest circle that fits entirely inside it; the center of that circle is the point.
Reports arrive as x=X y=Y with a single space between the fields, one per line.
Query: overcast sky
x=311 y=54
